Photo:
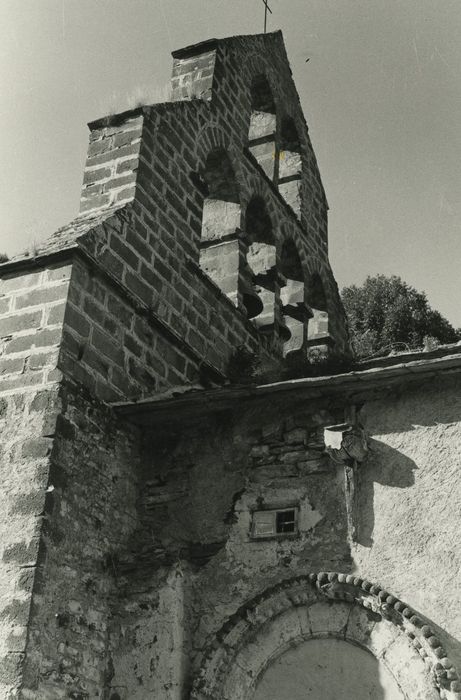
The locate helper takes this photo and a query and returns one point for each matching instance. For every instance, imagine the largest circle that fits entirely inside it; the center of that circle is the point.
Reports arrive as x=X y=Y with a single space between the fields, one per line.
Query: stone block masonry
x=90 y=518
x=32 y=305
x=27 y=424
x=131 y=329
x=31 y=316
x=110 y=171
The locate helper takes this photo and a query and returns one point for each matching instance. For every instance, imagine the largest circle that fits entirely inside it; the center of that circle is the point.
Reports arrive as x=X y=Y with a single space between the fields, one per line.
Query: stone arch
x=256 y=65
x=212 y=136
x=220 y=245
x=331 y=606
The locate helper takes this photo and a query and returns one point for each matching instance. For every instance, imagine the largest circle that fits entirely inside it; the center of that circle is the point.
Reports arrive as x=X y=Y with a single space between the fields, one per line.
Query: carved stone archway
x=327 y=604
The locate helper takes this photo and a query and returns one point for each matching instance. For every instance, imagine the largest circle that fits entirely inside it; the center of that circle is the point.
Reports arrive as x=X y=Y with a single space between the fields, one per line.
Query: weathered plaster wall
x=410 y=502
x=200 y=481
x=202 y=478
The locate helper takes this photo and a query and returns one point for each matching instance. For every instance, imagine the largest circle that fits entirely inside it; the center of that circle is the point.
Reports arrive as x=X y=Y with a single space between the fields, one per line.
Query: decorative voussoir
x=331 y=588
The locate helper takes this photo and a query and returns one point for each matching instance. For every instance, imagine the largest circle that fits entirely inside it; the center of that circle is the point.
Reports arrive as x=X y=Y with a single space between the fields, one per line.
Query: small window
x=274 y=523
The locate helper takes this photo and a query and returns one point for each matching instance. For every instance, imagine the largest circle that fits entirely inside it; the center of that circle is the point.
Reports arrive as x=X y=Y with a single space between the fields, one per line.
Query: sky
x=381 y=94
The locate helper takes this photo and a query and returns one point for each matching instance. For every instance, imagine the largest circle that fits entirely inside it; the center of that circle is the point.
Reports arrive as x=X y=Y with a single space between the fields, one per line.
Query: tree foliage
x=387 y=314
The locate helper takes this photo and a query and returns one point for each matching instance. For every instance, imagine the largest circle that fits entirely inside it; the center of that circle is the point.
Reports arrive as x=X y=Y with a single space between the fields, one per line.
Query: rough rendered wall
x=201 y=480
x=410 y=503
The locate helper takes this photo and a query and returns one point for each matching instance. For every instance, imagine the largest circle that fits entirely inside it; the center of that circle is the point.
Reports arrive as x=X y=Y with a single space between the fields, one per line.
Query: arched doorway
x=327 y=669
x=347 y=615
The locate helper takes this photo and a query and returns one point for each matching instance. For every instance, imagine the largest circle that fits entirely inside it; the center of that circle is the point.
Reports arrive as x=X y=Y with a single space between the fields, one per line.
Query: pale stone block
x=409 y=670
x=261 y=257
x=262 y=124
x=318 y=325
x=290 y=191
x=264 y=153
x=292 y=293
x=382 y=636
x=359 y=626
x=289 y=164
x=219 y=219
x=304 y=621
x=296 y=341
x=329 y=618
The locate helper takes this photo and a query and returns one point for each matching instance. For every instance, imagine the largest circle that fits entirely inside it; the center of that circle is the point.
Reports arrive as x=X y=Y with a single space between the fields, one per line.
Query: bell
x=250 y=299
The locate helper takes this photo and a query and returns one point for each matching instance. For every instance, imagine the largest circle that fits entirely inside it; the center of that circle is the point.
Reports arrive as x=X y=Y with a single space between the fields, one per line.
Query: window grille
x=274 y=523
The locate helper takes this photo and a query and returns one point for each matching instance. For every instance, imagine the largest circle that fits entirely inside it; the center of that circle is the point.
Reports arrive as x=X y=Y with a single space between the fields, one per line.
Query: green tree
x=385 y=313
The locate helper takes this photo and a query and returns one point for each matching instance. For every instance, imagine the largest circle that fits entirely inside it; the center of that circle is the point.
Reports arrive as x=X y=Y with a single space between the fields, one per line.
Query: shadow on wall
x=432 y=403
x=385 y=466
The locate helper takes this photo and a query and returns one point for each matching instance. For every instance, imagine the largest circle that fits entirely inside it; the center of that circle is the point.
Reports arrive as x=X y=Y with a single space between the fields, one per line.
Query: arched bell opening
x=296 y=313
x=220 y=247
x=263 y=125
x=261 y=266
x=290 y=165
x=318 y=332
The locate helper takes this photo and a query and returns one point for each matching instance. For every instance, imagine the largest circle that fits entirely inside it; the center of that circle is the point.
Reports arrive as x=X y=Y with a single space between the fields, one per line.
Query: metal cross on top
x=266 y=10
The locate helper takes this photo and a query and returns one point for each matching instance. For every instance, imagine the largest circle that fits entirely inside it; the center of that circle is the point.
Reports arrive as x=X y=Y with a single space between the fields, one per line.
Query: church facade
x=171 y=526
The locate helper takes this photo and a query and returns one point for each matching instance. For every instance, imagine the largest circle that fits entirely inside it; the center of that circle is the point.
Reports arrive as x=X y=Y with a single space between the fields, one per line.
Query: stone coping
x=416 y=367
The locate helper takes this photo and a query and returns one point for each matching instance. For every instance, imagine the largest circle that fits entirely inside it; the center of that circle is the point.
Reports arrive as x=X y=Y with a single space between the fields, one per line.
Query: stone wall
x=199 y=483
x=26 y=426
x=32 y=304
x=89 y=519
x=128 y=333
x=31 y=312
x=128 y=550
x=110 y=172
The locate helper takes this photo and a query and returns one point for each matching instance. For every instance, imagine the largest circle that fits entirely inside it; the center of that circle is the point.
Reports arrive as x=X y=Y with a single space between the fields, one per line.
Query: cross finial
x=266 y=10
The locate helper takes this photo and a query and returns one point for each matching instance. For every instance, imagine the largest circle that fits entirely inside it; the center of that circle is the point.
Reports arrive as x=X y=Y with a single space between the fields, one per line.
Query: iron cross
x=266 y=8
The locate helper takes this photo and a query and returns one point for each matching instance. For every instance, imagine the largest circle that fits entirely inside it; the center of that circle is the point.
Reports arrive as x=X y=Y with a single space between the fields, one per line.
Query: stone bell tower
x=202 y=229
